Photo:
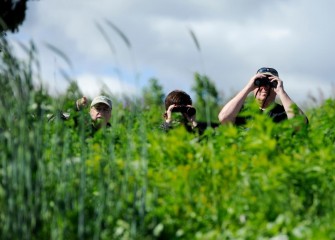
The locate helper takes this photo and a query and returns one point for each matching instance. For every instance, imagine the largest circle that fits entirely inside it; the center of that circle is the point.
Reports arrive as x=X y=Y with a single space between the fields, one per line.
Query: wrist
x=248 y=89
x=281 y=92
x=194 y=124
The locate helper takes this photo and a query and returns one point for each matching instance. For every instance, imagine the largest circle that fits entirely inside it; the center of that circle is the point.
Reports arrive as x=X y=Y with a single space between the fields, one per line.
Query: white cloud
x=236 y=38
x=91 y=85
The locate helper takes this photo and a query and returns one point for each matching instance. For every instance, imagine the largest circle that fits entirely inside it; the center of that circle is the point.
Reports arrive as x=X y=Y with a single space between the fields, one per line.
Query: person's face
x=101 y=111
x=265 y=93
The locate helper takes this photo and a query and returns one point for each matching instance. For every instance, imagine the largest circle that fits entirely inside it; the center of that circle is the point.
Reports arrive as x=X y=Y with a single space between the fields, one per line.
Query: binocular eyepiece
x=190 y=111
x=259 y=82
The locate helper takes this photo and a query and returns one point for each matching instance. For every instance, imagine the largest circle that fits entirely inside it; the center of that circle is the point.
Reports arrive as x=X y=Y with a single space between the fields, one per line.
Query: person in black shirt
x=179 y=101
x=265 y=85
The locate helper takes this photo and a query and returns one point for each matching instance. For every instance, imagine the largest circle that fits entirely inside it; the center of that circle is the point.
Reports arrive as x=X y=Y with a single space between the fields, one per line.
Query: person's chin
x=98 y=122
x=263 y=95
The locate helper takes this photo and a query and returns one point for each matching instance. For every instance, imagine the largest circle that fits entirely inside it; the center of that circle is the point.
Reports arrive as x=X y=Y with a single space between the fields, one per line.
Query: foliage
x=136 y=182
x=206 y=98
x=153 y=94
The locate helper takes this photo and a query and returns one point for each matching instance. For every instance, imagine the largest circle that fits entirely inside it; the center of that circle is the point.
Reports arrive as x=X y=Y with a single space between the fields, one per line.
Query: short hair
x=177 y=97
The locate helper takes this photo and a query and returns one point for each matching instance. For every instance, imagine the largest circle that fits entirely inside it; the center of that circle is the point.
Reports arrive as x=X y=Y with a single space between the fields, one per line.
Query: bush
x=136 y=182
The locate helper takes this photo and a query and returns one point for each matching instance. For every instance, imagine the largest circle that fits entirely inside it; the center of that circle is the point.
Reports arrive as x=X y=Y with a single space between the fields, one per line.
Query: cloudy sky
x=236 y=37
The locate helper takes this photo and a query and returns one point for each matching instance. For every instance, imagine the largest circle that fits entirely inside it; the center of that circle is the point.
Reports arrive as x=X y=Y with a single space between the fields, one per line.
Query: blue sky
x=236 y=38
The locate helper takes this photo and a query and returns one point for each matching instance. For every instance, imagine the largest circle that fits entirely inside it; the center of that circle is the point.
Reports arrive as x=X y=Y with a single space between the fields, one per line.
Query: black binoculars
x=259 y=82
x=190 y=111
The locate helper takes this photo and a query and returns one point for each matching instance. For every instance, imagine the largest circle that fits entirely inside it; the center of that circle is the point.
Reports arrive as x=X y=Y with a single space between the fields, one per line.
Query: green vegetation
x=135 y=182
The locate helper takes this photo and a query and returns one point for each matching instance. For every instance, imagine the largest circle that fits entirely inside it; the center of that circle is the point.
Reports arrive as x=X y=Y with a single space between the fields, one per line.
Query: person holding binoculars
x=266 y=86
x=179 y=101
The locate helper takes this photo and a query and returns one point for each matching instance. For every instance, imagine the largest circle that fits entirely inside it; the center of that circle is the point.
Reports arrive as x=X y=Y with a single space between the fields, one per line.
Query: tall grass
x=203 y=80
x=136 y=182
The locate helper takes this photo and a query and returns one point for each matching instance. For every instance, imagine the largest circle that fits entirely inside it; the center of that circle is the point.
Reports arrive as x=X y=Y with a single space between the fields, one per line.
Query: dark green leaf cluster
x=12 y=14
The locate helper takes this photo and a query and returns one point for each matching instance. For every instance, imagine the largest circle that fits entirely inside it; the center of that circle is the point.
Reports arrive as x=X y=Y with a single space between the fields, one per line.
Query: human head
x=101 y=110
x=177 y=97
x=265 y=95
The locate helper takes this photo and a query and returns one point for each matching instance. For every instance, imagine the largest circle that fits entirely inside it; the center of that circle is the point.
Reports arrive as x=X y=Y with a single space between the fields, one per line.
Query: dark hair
x=177 y=97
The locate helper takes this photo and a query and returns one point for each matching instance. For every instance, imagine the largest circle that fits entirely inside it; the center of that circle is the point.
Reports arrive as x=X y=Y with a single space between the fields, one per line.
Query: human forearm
x=288 y=105
x=229 y=112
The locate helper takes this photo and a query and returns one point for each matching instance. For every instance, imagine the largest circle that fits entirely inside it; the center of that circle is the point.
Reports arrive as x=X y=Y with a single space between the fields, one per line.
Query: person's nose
x=266 y=88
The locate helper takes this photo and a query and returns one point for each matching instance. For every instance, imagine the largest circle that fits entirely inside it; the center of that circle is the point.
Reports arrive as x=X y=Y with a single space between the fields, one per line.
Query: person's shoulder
x=278 y=113
x=277 y=108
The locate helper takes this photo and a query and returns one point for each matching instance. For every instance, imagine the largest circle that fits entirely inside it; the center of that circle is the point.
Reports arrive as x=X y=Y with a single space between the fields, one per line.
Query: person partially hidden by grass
x=100 y=113
x=100 y=110
x=266 y=86
x=179 y=101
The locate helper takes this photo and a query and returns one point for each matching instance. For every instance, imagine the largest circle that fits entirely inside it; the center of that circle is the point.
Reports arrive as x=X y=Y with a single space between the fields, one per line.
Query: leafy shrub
x=136 y=182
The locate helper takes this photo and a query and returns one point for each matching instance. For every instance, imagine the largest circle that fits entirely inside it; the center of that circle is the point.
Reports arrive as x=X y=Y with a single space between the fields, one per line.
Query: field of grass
x=136 y=182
